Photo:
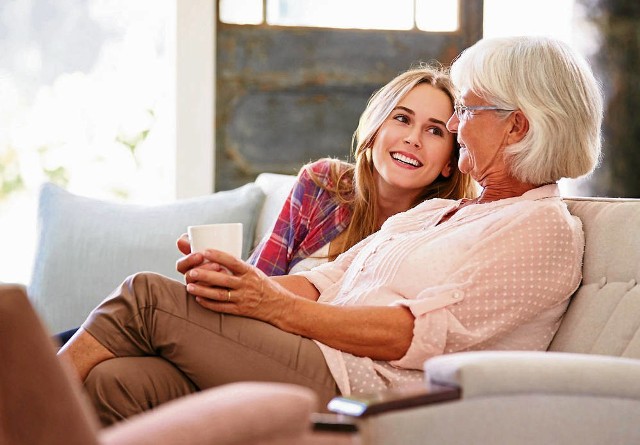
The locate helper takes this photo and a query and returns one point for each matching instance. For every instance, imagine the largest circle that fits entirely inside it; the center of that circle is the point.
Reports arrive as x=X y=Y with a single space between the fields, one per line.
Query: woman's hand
x=183 y=244
x=228 y=284
x=190 y=260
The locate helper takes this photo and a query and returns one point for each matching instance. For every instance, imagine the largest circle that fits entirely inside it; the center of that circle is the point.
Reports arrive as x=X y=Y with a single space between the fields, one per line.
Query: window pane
x=241 y=12
x=437 y=15
x=529 y=18
x=361 y=14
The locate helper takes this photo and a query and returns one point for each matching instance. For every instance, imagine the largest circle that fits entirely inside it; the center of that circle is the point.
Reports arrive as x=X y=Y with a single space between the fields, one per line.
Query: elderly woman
x=494 y=272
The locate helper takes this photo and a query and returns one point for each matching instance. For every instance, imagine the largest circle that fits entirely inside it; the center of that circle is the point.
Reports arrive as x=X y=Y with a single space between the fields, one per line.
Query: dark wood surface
x=393 y=399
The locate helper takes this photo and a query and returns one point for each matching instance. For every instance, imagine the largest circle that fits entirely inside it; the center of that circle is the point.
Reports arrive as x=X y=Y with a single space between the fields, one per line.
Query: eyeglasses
x=464 y=112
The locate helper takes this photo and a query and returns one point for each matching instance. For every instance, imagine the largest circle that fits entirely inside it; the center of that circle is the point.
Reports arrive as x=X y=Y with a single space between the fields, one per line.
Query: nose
x=452 y=123
x=413 y=137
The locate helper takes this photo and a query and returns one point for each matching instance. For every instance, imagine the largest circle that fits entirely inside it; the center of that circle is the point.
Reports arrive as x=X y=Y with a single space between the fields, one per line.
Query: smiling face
x=413 y=146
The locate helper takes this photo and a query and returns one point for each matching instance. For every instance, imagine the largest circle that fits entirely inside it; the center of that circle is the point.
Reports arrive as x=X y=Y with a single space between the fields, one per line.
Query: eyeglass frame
x=457 y=108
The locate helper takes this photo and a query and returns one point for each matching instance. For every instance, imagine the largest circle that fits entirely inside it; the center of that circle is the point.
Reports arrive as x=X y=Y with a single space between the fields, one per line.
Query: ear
x=446 y=171
x=519 y=129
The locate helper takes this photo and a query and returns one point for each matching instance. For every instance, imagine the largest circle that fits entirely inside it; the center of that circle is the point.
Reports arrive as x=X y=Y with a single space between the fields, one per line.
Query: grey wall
x=286 y=96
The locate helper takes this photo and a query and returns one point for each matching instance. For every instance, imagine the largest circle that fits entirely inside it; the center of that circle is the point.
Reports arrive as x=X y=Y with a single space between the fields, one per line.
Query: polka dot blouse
x=494 y=276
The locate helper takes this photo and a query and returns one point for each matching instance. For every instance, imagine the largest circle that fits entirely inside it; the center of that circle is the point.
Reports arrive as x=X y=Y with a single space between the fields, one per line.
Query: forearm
x=298 y=285
x=377 y=332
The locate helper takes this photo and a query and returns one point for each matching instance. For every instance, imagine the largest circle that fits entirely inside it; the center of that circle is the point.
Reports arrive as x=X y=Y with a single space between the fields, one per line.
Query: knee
x=151 y=284
x=122 y=387
x=142 y=280
x=112 y=394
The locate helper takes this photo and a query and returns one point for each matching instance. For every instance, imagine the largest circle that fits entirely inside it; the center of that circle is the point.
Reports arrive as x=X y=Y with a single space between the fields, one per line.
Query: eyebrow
x=411 y=112
x=438 y=121
x=408 y=110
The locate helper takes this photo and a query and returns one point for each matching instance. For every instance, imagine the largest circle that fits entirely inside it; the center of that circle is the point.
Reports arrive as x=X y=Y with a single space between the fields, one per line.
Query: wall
x=286 y=96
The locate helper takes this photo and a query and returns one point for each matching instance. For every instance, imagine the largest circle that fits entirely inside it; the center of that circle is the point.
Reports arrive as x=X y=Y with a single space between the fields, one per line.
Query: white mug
x=226 y=237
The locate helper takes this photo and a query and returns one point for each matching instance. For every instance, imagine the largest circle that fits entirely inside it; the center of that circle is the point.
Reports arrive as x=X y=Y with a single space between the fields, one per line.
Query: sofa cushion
x=604 y=314
x=86 y=247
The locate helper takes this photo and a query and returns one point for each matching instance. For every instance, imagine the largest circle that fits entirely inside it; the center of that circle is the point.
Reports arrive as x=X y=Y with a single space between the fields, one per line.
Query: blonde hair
x=354 y=185
x=557 y=92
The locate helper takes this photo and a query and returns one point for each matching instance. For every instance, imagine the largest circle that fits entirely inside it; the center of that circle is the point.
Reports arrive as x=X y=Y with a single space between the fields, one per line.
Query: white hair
x=557 y=92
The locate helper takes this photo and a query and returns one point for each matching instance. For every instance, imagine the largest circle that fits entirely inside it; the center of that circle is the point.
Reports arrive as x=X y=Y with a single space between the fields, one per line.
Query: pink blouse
x=494 y=276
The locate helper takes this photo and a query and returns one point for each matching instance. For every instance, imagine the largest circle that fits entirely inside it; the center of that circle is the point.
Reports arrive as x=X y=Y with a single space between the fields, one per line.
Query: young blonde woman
x=403 y=155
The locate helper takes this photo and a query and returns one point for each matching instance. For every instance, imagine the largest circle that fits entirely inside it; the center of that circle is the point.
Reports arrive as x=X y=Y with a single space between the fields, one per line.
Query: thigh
x=242 y=349
x=122 y=387
x=154 y=315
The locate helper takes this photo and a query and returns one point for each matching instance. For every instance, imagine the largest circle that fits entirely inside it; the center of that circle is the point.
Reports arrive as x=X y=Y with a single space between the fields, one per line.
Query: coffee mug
x=226 y=237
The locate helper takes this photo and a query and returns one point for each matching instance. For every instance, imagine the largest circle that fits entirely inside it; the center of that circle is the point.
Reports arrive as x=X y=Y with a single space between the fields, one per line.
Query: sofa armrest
x=493 y=373
x=519 y=397
x=238 y=413
x=489 y=373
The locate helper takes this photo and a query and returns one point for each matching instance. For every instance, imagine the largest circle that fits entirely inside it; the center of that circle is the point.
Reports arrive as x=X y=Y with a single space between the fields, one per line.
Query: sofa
x=585 y=389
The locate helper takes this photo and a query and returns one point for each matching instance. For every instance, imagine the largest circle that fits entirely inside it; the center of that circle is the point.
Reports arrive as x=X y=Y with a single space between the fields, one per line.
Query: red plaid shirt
x=309 y=219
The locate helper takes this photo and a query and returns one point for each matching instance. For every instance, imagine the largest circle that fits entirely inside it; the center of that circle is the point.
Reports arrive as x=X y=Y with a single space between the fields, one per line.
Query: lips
x=406 y=160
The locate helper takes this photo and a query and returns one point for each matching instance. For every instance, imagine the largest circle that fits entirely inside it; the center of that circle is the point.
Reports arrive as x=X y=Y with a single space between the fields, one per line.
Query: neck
x=393 y=202
x=503 y=191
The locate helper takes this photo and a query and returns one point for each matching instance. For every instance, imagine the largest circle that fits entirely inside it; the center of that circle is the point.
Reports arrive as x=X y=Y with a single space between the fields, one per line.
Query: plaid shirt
x=309 y=219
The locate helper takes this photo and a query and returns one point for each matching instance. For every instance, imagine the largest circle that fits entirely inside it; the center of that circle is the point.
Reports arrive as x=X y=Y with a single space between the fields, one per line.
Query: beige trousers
x=166 y=346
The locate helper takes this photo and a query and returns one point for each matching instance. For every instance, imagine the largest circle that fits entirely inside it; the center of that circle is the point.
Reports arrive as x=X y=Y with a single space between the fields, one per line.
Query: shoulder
x=548 y=217
x=324 y=172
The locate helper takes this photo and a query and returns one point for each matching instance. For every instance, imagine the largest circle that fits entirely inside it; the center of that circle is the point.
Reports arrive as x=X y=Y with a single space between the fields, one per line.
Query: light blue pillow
x=86 y=247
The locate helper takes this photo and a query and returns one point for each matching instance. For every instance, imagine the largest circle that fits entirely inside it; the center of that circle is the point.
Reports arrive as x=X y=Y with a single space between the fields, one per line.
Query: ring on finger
x=228 y=295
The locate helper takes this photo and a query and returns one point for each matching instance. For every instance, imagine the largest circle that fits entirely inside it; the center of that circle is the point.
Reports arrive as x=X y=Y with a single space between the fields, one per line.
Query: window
x=425 y=15
x=87 y=102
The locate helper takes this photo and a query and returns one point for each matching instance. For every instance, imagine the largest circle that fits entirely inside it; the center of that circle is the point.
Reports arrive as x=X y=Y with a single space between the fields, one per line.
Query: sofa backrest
x=604 y=314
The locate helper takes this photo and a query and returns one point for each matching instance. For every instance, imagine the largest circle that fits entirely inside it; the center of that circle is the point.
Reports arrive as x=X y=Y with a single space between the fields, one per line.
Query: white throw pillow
x=86 y=247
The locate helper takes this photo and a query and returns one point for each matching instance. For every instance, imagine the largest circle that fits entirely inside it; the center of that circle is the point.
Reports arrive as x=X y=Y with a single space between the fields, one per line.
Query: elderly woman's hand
x=183 y=244
x=190 y=260
x=228 y=284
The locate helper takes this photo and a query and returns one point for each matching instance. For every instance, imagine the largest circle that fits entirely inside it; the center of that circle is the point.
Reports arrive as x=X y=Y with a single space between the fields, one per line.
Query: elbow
x=399 y=349
x=402 y=337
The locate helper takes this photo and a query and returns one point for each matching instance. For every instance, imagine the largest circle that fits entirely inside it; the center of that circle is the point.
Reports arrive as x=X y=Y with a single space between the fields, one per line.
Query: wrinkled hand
x=190 y=260
x=228 y=284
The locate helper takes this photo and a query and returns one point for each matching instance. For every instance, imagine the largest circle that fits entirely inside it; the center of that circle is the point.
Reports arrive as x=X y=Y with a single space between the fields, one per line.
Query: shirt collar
x=544 y=191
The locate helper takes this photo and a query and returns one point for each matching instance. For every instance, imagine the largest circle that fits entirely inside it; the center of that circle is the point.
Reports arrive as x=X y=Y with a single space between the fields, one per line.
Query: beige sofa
x=584 y=390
